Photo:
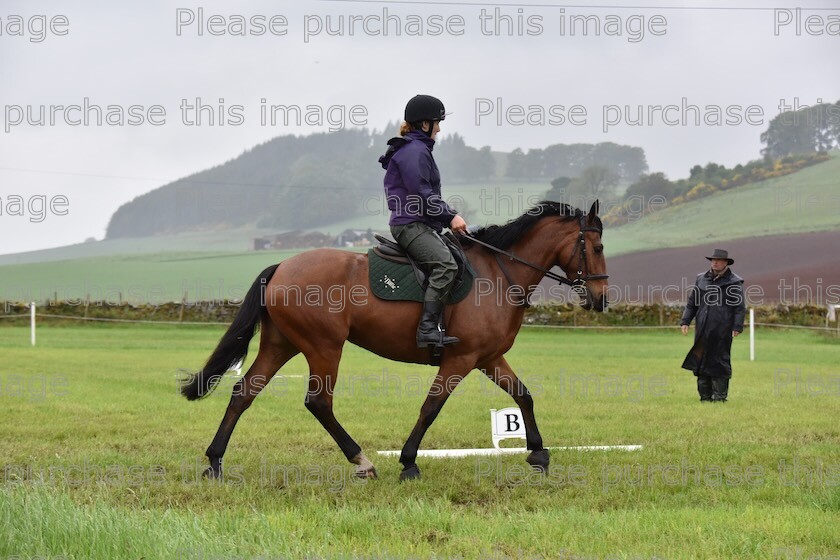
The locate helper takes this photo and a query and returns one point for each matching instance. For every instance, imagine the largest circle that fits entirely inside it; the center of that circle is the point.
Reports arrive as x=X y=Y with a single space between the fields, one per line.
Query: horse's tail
x=233 y=346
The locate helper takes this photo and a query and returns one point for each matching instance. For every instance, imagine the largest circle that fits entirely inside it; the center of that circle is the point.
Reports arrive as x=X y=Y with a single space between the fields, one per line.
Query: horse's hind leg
x=500 y=372
x=323 y=371
x=275 y=350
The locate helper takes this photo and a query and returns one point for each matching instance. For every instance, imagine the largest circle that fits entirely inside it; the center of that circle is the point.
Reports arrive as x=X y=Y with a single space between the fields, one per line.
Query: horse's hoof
x=366 y=473
x=364 y=468
x=410 y=473
x=539 y=460
x=212 y=473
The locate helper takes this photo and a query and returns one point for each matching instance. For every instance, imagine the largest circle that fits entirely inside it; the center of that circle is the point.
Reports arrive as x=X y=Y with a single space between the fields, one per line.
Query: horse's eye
x=599 y=249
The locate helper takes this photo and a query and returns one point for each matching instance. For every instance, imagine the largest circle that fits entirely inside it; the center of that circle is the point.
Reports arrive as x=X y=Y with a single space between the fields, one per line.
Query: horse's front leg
x=500 y=372
x=449 y=375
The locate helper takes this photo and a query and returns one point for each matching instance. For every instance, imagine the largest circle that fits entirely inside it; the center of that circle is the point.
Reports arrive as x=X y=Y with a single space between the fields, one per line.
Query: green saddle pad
x=394 y=281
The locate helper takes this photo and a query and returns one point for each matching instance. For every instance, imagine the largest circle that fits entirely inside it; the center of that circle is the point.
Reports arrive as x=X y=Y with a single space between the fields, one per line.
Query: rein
x=580 y=250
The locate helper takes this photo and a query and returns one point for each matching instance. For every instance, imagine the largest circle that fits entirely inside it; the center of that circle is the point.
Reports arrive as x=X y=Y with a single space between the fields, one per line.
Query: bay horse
x=549 y=234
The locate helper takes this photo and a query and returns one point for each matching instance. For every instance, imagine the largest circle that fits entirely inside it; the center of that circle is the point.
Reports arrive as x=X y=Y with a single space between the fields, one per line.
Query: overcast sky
x=710 y=53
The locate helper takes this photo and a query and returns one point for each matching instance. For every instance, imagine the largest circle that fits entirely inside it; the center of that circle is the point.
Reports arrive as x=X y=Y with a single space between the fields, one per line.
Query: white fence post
x=752 y=334
x=32 y=321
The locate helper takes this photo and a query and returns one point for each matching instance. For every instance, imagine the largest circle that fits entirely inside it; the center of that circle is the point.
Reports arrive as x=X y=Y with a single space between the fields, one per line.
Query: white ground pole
x=752 y=334
x=32 y=321
x=493 y=451
x=507 y=423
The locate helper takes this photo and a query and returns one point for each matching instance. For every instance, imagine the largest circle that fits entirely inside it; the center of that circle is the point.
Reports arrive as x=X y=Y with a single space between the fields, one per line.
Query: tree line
x=625 y=163
x=806 y=130
x=792 y=141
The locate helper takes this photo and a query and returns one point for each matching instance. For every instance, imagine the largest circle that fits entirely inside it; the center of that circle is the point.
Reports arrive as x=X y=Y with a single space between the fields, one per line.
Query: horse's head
x=583 y=260
x=553 y=234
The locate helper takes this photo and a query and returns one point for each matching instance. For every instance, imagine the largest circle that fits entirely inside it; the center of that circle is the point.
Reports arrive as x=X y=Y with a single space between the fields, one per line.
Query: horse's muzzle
x=601 y=303
x=589 y=301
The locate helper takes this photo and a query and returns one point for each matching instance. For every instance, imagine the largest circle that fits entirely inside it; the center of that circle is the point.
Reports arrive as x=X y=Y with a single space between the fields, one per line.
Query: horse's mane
x=503 y=236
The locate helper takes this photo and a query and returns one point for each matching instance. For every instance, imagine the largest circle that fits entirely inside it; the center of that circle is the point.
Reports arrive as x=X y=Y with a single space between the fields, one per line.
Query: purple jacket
x=412 y=183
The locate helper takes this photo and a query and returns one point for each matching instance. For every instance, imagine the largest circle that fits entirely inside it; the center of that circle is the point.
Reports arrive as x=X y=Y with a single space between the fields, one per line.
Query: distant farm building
x=304 y=240
x=292 y=240
x=358 y=237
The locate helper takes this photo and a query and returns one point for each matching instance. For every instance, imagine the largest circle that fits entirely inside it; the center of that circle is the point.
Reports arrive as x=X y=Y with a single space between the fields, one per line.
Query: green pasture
x=147 y=278
x=102 y=456
x=222 y=240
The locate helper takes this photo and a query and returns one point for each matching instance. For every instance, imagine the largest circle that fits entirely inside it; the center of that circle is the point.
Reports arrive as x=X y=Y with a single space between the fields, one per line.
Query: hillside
x=314 y=181
x=271 y=182
x=808 y=200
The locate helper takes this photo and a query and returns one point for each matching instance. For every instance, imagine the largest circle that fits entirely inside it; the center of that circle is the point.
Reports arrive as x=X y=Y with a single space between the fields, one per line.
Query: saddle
x=395 y=276
x=390 y=250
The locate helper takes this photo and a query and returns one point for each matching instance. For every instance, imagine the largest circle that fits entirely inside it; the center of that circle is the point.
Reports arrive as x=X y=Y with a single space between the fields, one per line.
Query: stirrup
x=435 y=354
x=437 y=347
x=441 y=340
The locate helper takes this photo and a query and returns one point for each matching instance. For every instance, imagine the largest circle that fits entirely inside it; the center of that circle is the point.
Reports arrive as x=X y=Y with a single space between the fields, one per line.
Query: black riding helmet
x=424 y=108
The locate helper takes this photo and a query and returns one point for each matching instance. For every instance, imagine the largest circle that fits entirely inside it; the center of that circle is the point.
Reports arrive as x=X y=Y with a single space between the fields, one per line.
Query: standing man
x=717 y=301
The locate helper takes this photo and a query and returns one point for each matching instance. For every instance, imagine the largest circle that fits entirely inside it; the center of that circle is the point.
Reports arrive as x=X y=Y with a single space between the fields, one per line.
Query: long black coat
x=718 y=306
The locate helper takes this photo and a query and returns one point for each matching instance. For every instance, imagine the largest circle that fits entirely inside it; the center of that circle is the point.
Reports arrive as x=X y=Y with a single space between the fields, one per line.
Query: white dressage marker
x=504 y=424
x=507 y=423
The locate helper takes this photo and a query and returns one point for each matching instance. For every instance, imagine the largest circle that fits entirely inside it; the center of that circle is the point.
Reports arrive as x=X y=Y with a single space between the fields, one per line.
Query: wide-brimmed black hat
x=721 y=254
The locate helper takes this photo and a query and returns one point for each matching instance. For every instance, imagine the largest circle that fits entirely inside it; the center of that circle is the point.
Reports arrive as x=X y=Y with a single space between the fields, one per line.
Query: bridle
x=578 y=284
x=581 y=279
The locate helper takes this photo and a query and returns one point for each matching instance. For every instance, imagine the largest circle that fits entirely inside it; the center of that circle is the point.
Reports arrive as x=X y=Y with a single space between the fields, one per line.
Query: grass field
x=152 y=278
x=236 y=240
x=101 y=456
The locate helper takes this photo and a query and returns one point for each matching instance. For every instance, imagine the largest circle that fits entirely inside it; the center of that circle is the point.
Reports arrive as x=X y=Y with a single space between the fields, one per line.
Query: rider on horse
x=419 y=213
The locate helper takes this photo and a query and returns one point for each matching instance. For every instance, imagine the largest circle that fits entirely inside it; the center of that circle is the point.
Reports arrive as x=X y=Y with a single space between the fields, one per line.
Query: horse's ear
x=593 y=211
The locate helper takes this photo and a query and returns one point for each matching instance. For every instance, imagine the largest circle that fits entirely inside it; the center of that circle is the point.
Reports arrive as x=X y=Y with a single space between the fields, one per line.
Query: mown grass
x=102 y=457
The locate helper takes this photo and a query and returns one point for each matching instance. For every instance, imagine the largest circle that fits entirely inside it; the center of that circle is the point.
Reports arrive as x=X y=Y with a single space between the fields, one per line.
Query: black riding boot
x=720 y=387
x=430 y=330
x=704 y=387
